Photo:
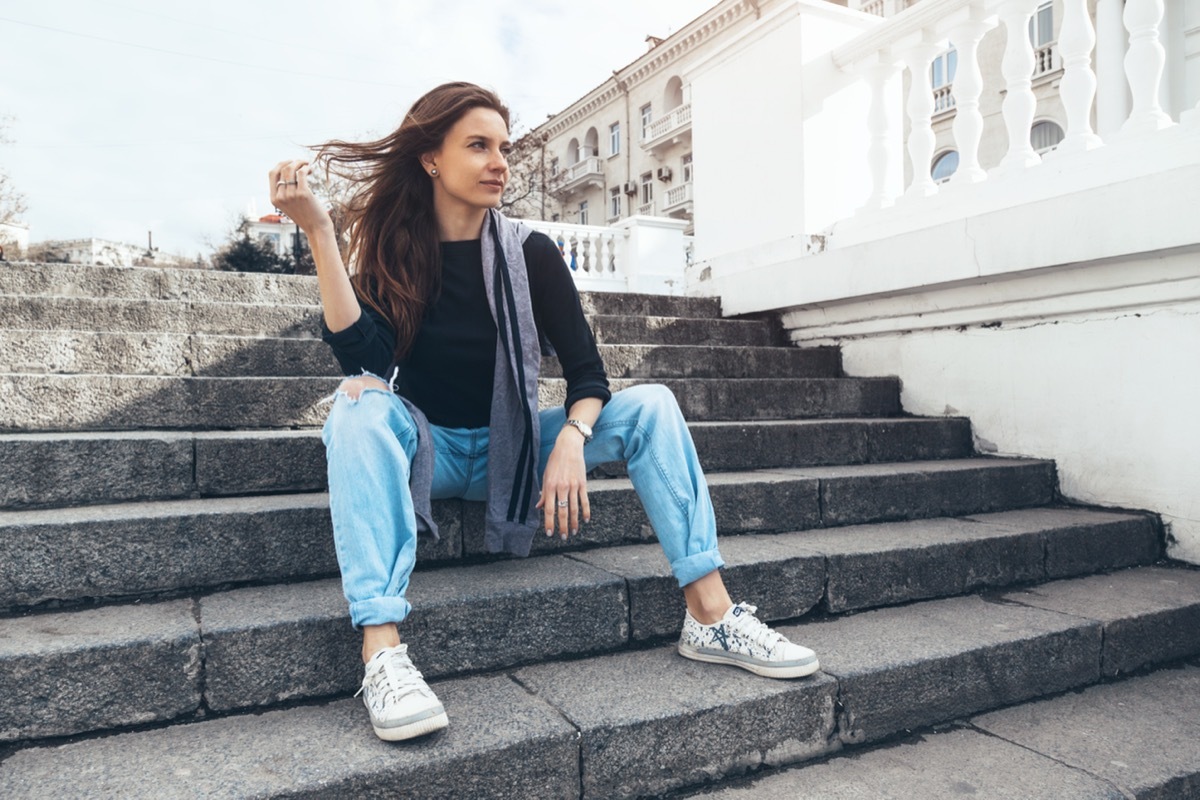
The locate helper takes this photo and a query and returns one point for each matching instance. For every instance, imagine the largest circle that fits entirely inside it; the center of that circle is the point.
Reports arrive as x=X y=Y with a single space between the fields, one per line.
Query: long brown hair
x=394 y=243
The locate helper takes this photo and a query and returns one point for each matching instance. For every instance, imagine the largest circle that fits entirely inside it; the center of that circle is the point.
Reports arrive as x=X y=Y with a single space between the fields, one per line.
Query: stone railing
x=1043 y=60
x=675 y=119
x=678 y=196
x=912 y=39
x=638 y=254
x=943 y=99
x=588 y=168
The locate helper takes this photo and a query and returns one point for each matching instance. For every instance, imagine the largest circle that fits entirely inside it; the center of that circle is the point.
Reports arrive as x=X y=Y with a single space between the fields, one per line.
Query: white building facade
x=624 y=149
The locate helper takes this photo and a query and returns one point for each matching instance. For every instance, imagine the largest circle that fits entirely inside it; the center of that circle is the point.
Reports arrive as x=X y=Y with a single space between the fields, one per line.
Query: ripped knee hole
x=353 y=387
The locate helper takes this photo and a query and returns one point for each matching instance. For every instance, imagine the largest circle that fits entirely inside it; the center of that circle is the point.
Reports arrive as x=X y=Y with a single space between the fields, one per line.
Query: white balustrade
x=590 y=251
x=1043 y=60
x=674 y=120
x=1078 y=87
x=909 y=40
x=1144 y=66
x=590 y=165
x=678 y=195
x=635 y=255
x=943 y=99
x=874 y=7
x=968 y=86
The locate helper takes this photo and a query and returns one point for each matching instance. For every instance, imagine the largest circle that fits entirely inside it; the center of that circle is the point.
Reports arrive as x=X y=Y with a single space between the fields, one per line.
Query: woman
x=439 y=326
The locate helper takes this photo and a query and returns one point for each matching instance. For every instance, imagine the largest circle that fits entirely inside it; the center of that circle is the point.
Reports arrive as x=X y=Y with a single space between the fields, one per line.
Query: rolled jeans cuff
x=379 y=611
x=694 y=567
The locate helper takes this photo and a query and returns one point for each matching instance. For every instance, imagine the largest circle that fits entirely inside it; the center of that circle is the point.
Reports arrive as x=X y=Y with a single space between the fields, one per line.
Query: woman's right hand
x=291 y=195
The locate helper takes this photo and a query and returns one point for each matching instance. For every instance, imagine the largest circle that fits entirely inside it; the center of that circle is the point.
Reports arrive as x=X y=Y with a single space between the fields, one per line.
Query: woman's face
x=472 y=162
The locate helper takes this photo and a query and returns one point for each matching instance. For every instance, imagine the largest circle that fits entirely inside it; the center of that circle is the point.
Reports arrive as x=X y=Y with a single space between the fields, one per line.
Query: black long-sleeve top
x=448 y=372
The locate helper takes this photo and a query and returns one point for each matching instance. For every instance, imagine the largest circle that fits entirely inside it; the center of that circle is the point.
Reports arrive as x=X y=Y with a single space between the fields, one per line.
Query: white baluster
x=1076 y=39
x=921 y=140
x=1144 y=66
x=966 y=88
x=1112 y=99
x=880 y=77
x=585 y=253
x=1019 y=103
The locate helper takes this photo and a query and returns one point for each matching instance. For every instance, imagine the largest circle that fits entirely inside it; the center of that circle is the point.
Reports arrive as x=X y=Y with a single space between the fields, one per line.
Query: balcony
x=678 y=202
x=1044 y=61
x=579 y=176
x=669 y=129
x=943 y=99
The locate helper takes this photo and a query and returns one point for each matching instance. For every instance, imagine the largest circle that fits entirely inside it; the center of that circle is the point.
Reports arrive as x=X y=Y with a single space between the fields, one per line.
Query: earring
x=433 y=172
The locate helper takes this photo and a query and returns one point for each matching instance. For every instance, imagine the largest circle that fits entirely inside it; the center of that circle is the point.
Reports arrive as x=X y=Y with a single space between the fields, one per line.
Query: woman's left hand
x=564 y=500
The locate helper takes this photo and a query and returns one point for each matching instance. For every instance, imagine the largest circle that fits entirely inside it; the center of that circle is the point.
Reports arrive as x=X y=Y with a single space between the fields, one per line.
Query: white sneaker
x=741 y=639
x=400 y=703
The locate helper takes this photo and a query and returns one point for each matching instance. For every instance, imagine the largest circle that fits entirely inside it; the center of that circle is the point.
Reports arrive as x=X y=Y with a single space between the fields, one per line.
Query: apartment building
x=625 y=147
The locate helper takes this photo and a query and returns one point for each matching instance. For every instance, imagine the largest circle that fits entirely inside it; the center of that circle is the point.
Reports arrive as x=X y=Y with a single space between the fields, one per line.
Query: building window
x=1041 y=25
x=647 y=188
x=614 y=202
x=945 y=165
x=647 y=118
x=614 y=138
x=1045 y=136
x=943 y=68
x=553 y=166
x=686 y=169
x=583 y=217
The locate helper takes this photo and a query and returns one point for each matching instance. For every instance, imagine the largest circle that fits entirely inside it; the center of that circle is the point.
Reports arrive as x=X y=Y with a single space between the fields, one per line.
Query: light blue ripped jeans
x=370 y=441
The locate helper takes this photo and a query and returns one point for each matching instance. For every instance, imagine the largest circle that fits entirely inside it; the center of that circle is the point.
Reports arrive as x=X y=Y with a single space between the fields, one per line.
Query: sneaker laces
x=394 y=676
x=754 y=629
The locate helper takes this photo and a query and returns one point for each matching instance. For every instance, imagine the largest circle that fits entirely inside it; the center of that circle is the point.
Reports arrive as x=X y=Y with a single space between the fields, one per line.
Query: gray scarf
x=513 y=442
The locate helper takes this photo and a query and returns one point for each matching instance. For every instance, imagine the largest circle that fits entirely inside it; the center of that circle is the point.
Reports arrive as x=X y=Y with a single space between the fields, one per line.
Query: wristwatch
x=582 y=427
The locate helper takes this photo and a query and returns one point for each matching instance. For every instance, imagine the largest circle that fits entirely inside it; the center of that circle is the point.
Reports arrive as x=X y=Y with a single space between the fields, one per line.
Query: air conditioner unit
x=631 y=187
x=664 y=174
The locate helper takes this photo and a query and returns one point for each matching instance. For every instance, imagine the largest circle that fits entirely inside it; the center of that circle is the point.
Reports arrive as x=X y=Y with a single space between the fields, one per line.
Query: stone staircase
x=172 y=625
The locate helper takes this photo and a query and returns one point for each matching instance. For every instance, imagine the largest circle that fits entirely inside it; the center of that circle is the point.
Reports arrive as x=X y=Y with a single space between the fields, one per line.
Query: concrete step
x=101 y=314
x=611 y=329
x=570 y=605
x=89 y=281
x=134 y=549
x=158 y=283
x=119 y=315
x=644 y=722
x=1132 y=738
x=131 y=402
x=91 y=353
x=63 y=469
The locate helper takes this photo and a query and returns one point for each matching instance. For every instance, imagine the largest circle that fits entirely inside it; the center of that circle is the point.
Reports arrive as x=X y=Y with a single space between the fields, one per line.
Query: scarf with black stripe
x=513 y=440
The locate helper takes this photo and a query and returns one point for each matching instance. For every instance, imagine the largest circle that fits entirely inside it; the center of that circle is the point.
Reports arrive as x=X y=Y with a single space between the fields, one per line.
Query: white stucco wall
x=769 y=132
x=1113 y=398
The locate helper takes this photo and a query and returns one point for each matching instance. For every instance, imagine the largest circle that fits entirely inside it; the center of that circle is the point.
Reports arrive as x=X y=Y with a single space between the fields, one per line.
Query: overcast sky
x=133 y=115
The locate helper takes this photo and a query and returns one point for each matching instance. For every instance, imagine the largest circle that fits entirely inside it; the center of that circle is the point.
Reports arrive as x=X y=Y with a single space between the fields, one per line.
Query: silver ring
x=287 y=183
x=564 y=503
